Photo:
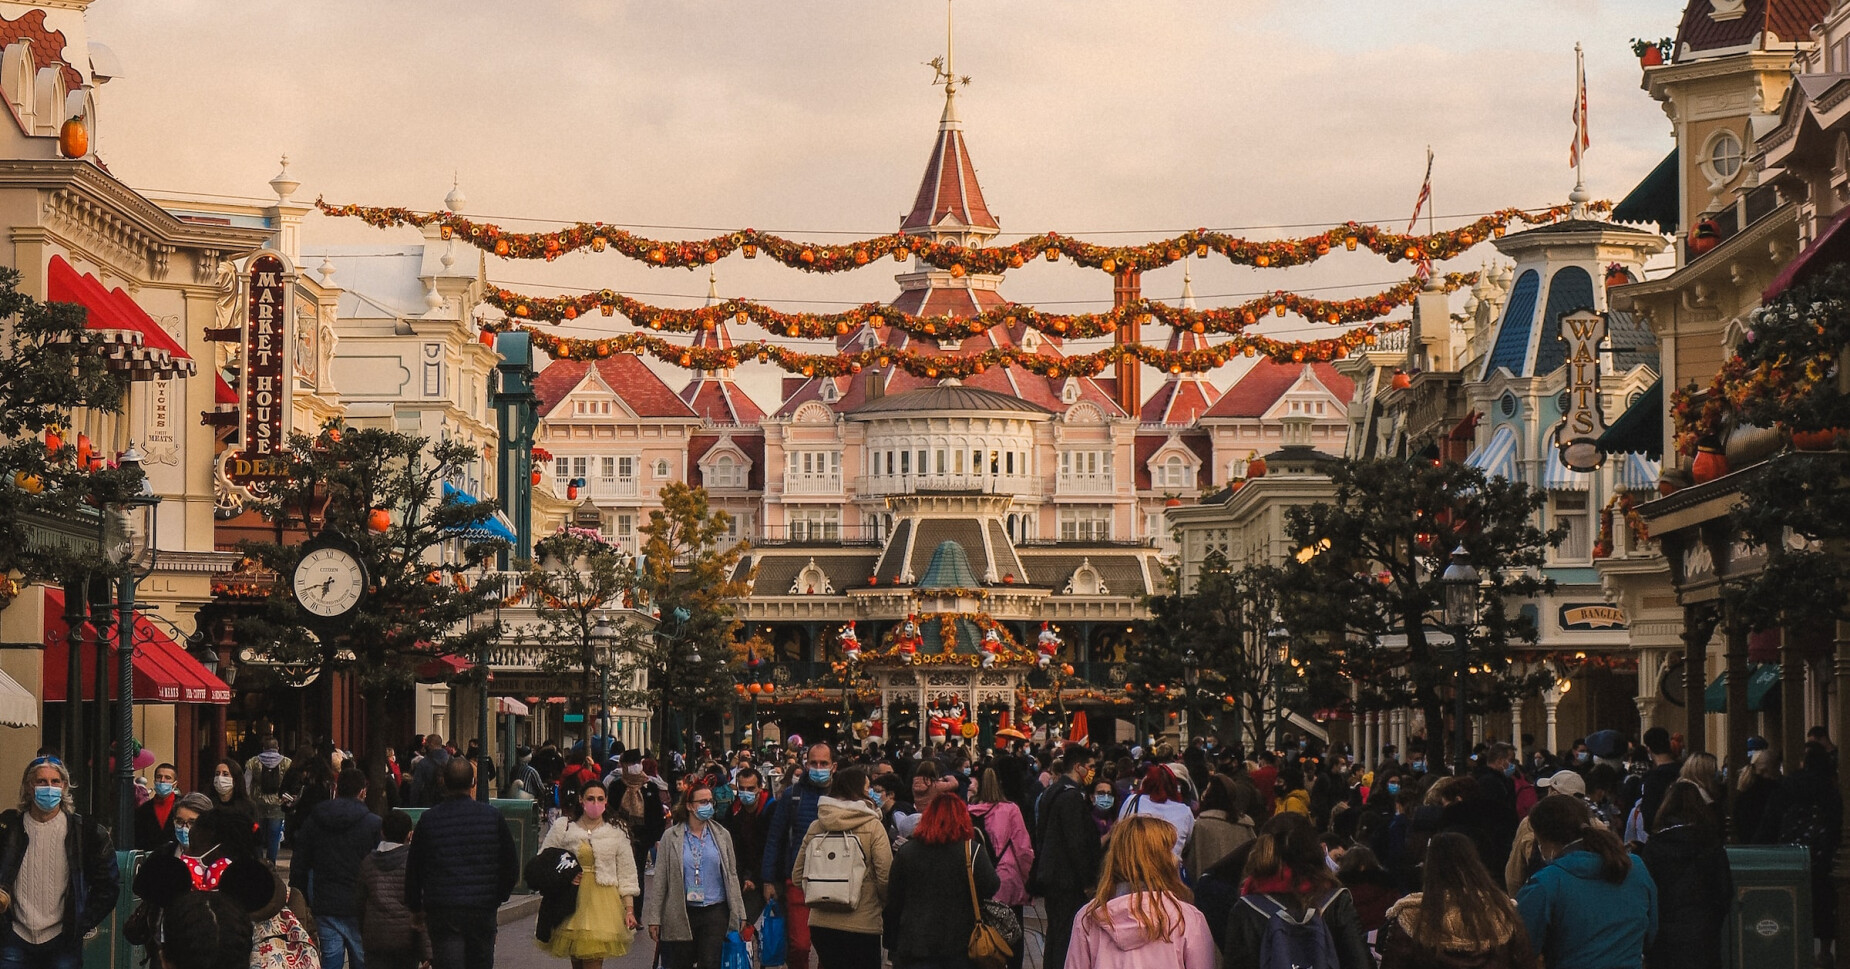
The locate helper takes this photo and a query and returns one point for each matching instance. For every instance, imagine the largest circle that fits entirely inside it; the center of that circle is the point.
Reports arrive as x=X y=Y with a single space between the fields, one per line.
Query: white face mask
x=222 y=784
x=633 y=770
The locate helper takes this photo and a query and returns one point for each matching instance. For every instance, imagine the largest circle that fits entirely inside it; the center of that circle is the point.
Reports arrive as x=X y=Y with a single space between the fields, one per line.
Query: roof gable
x=624 y=375
x=1269 y=381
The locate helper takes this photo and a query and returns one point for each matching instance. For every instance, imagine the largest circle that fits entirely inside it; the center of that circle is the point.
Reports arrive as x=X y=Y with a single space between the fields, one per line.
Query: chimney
x=1126 y=288
x=876 y=387
x=1432 y=322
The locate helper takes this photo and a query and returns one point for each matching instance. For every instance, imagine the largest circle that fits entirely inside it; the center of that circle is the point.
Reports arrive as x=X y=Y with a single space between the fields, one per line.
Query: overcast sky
x=813 y=116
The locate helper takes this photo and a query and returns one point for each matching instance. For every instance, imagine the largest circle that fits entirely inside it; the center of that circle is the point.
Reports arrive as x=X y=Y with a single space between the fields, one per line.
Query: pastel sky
x=1113 y=119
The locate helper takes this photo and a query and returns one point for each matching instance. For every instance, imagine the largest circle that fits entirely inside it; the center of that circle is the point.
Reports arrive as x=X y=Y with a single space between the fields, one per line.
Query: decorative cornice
x=131 y=215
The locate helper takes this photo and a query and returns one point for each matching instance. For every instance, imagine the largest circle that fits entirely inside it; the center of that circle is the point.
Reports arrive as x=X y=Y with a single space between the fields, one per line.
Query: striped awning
x=1635 y=473
x=1497 y=459
x=1559 y=477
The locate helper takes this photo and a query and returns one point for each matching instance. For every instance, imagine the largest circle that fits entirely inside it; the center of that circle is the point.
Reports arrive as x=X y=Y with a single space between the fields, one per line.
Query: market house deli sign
x=266 y=390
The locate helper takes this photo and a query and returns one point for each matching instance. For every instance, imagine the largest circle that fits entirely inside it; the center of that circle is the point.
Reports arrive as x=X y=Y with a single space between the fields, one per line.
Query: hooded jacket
x=862 y=820
x=1580 y=921
x=1009 y=843
x=332 y=843
x=1695 y=893
x=1401 y=948
x=386 y=927
x=1120 y=941
x=1215 y=836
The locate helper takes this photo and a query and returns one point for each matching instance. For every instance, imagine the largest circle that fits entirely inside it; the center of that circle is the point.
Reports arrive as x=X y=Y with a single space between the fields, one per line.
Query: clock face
x=328 y=582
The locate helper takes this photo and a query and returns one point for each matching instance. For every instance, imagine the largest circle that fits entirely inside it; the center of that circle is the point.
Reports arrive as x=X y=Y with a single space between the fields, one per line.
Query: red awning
x=130 y=337
x=222 y=392
x=443 y=667
x=1832 y=246
x=164 y=671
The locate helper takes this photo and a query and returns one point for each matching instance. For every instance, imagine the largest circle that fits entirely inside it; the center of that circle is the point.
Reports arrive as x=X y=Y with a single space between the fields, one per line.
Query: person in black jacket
x=151 y=817
x=1808 y=810
x=929 y=910
x=1067 y=850
x=1694 y=888
x=331 y=843
x=463 y=865
x=58 y=876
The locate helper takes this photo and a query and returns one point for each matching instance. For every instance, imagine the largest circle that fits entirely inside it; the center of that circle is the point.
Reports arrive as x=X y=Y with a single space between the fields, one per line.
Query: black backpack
x=270 y=781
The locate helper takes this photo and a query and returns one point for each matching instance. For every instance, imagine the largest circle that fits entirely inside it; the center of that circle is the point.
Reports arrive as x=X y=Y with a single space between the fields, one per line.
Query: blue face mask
x=877 y=796
x=748 y=798
x=820 y=775
x=183 y=835
x=1509 y=770
x=1393 y=788
x=162 y=789
x=704 y=811
x=1418 y=767
x=47 y=798
x=1581 y=757
x=1103 y=801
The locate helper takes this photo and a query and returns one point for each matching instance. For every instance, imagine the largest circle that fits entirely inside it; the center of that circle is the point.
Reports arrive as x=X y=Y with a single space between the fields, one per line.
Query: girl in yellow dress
x=604 y=923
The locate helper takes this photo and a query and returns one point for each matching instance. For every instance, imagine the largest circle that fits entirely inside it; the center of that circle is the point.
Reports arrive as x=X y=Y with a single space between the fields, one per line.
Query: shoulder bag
x=997 y=931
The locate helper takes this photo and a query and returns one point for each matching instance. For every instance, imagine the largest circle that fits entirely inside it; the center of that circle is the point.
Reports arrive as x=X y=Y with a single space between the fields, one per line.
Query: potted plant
x=1651 y=53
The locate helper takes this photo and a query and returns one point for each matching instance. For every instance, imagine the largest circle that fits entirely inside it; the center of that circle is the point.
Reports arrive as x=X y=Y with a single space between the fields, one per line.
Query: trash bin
x=1770 y=927
x=526 y=823
x=104 y=948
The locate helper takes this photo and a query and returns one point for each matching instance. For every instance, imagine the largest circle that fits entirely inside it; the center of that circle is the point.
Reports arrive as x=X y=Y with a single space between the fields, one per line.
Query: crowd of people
x=1610 y=855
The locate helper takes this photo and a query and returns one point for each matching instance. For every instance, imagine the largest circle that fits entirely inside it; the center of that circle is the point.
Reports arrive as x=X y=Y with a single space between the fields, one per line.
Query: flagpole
x=1579 y=195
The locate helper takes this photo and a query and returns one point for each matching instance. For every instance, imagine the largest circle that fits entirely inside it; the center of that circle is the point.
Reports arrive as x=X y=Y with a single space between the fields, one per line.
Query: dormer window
x=1069 y=392
x=1031 y=341
x=829 y=393
x=1727 y=9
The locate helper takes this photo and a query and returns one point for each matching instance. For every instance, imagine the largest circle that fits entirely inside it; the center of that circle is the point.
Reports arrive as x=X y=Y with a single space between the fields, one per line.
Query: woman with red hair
x=1160 y=796
x=929 y=910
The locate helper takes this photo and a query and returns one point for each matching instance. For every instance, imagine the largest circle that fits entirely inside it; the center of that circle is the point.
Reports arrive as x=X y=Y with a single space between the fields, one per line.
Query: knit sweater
x=44 y=877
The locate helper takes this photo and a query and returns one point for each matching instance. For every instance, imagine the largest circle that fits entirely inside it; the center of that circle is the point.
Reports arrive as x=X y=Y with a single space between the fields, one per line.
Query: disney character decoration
x=991 y=646
x=908 y=641
x=850 y=643
x=944 y=716
x=1049 y=643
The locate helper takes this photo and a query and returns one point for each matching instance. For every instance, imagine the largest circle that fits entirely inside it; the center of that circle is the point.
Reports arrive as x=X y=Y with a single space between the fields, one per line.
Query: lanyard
x=695 y=844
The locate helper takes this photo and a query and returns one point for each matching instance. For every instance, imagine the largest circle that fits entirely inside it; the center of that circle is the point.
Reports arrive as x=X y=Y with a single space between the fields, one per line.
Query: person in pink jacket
x=1007 y=834
x=1142 y=916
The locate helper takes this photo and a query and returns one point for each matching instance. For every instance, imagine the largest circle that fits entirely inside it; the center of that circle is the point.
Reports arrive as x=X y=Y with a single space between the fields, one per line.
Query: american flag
x=1581 y=142
x=1424 y=265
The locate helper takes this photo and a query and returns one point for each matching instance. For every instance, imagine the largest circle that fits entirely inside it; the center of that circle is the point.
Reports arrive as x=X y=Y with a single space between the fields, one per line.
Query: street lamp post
x=144 y=499
x=1279 y=639
x=1191 y=677
x=1460 y=580
x=601 y=636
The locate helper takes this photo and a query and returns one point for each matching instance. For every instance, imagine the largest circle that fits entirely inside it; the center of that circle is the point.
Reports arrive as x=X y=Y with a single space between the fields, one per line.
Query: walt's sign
x=1582 y=424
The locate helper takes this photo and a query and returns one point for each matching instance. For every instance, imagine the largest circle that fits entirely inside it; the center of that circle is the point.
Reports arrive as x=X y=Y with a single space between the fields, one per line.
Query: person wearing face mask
x=603 y=925
x=747 y=822
x=794 y=812
x=1497 y=804
x=694 y=899
x=846 y=935
x=1068 y=847
x=228 y=792
x=58 y=875
x=151 y=817
x=638 y=804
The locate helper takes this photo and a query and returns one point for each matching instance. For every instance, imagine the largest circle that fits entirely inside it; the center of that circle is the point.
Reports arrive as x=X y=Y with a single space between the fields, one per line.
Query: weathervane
x=944 y=67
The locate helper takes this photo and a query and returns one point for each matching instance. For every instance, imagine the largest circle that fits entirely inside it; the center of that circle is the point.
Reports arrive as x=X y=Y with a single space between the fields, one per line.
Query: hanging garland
x=958 y=260
x=1079 y=326
x=937 y=365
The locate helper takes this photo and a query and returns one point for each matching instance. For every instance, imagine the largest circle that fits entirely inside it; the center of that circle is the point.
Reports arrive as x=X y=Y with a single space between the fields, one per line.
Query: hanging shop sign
x=1591 y=615
x=1582 y=423
x=266 y=391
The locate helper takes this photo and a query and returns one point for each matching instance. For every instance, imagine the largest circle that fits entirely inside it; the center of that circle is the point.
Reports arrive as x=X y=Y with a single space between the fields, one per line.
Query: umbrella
x=1011 y=733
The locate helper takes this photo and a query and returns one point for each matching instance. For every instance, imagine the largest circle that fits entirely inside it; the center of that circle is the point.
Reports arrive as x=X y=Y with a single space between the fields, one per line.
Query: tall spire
x=950 y=202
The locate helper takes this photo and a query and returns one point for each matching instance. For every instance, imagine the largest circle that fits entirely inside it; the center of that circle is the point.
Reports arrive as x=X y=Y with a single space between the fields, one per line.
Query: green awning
x=1654 y=199
x=1761 y=679
x=1640 y=430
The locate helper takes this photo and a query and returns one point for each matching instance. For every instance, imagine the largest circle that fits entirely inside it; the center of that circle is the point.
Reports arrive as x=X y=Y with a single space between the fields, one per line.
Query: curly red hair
x=946 y=821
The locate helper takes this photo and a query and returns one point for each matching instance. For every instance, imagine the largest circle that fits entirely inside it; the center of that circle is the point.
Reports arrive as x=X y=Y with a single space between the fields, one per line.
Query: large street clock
x=329 y=582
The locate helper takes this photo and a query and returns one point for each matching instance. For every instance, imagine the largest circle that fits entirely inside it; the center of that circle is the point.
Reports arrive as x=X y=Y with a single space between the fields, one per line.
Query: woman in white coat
x=604 y=923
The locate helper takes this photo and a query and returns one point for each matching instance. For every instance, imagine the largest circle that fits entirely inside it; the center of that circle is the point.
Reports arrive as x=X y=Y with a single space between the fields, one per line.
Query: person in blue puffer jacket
x=791 y=817
x=1592 y=906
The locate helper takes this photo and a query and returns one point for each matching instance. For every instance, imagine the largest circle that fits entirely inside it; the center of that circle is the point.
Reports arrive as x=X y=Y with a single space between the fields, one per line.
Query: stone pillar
x=1650 y=668
x=1698 y=626
x=1793 y=691
x=1516 y=728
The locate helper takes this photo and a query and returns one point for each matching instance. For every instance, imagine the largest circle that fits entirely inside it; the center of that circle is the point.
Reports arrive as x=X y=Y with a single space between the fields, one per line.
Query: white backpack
x=833 y=869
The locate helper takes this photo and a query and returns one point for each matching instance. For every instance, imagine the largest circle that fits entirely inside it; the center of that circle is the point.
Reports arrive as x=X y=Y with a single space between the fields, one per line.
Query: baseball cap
x=1564 y=782
x=1756 y=743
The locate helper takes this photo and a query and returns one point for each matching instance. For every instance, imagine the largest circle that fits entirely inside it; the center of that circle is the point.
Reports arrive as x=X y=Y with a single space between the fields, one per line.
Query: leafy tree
x=1362 y=599
x=575 y=579
x=429 y=597
x=686 y=574
x=1228 y=620
x=50 y=366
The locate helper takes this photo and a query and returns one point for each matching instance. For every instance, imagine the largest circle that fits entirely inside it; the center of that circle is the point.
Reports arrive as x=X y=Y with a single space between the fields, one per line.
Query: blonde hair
x=1764 y=767
x=1142 y=855
x=26 y=782
x=989 y=789
x=1702 y=770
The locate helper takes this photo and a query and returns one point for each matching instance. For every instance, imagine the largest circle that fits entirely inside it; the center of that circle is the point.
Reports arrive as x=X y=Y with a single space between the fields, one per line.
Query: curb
x=518 y=908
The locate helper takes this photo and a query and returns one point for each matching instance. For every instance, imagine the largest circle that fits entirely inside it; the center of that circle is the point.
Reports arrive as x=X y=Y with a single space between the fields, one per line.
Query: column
x=1551 y=700
x=1650 y=669
x=1516 y=729
x=1737 y=723
x=1698 y=626
x=1793 y=690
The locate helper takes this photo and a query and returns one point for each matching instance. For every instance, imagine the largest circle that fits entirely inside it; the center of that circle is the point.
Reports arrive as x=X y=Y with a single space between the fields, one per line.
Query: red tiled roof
x=1262 y=386
x=1788 y=20
x=1179 y=400
x=720 y=401
x=632 y=381
x=949 y=187
x=47 y=45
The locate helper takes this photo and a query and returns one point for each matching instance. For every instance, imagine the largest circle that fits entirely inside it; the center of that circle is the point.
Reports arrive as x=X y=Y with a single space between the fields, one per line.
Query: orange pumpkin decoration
x=1401 y=380
x=379 y=520
x=73 y=138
